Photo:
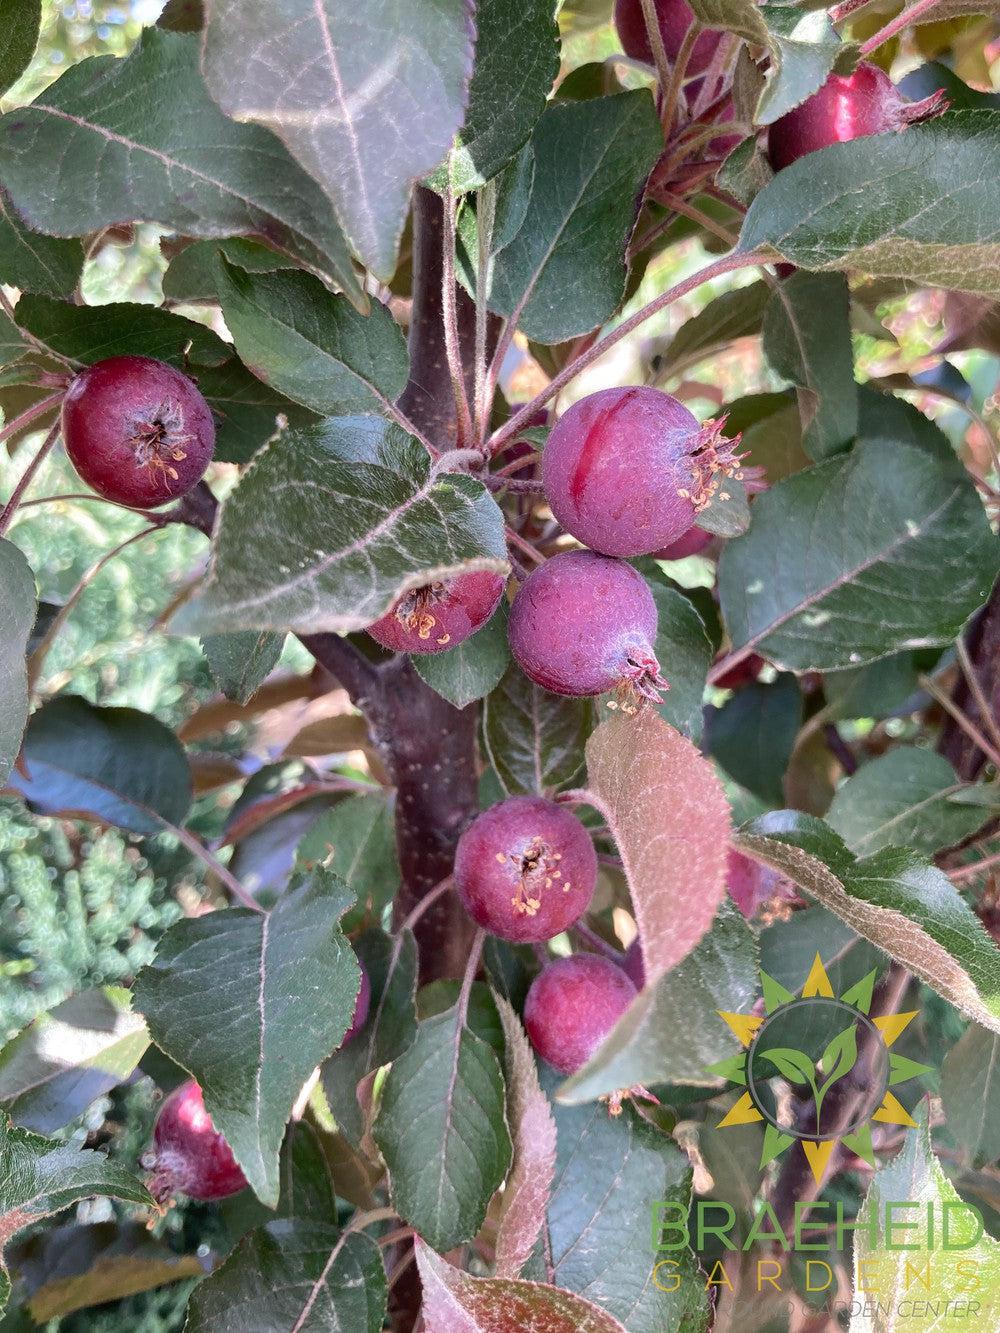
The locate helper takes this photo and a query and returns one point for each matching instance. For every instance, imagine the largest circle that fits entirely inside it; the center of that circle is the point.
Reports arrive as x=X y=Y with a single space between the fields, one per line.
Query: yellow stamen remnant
x=536 y=869
x=414 y=611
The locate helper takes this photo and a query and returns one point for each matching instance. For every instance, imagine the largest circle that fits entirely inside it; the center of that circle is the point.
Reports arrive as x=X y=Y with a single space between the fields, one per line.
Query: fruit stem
x=469 y=976
x=725 y=264
x=673 y=89
x=515 y=539
x=29 y=472
x=655 y=38
x=450 y=312
x=840 y=12
x=595 y=942
x=486 y=207
x=897 y=24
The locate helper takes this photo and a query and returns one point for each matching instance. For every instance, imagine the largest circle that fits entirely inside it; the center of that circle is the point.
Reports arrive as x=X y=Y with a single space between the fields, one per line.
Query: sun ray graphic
x=764 y=1055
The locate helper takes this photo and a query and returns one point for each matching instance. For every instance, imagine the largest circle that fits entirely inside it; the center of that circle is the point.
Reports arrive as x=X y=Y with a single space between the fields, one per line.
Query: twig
x=726 y=264
x=450 y=310
x=517 y=540
x=975 y=685
x=839 y=748
x=897 y=24
x=594 y=941
x=956 y=714
x=29 y=415
x=27 y=476
x=967 y=872
x=221 y=872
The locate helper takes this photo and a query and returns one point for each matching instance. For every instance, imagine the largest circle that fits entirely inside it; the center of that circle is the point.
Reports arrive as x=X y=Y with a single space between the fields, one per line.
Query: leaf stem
x=897 y=25
x=725 y=264
x=450 y=313
x=486 y=208
x=27 y=476
x=655 y=37
x=976 y=868
x=673 y=90
x=975 y=685
x=469 y=976
x=842 y=11
x=428 y=900
x=965 y=723
x=221 y=872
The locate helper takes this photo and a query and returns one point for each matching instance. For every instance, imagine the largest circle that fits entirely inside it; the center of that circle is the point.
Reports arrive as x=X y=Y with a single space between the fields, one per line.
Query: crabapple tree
x=580 y=424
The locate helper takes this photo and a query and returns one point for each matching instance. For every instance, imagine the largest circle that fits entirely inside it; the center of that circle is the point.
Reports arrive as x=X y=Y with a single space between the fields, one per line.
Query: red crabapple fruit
x=361 y=1005
x=137 y=430
x=691 y=543
x=628 y=471
x=439 y=615
x=674 y=18
x=582 y=624
x=571 y=1007
x=848 y=106
x=189 y=1154
x=633 y=964
x=525 y=869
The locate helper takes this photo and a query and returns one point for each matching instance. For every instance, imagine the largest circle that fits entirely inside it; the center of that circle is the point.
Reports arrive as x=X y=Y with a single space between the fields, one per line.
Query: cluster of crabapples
x=626 y=472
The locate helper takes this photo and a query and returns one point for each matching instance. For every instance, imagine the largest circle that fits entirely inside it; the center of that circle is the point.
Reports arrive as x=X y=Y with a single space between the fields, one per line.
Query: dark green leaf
x=140 y=139
x=808 y=49
x=970 y=1090
x=902 y=799
x=386 y=93
x=18 y=601
x=745 y=171
x=32 y=262
x=733 y=314
x=517 y=59
x=297 y=1275
x=90 y=333
x=247 y=412
x=61 y=1062
x=920 y=205
x=908 y=908
x=115 y=765
x=442 y=1130
x=685 y=654
x=753 y=735
x=12 y=347
x=389 y=1030
x=534 y=739
x=483 y=1019
x=20 y=21
x=182 y=16
x=192 y=275
x=250 y=1004
x=609 y=1174
x=469 y=672
x=357 y=840
x=299 y=338
x=649 y=1046
x=311 y=543
x=567 y=262
x=859 y=557
x=240 y=663
x=807 y=340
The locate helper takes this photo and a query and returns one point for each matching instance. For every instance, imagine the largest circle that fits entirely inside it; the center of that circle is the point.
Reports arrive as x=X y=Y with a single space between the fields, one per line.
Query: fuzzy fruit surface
x=439 y=616
x=525 y=869
x=693 y=541
x=752 y=886
x=571 y=1007
x=582 y=624
x=674 y=18
x=361 y=1006
x=628 y=471
x=189 y=1154
x=137 y=431
x=848 y=106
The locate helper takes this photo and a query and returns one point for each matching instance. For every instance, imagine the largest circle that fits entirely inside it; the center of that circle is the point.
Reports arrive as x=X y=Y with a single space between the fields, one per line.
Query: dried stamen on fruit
x=614 y=1100
x=713 y=458
x=641 y=682
x=537 y=869
x=159 y=440
x=414 y=610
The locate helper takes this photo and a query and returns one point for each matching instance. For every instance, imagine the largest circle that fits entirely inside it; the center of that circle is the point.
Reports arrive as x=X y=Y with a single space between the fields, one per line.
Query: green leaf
x=307 y=542
x=52 y=1071
x=649 y=1046
x=684 y=652
x=38 y=1178
x=32 y=262
x=140 y=139
x=298 y=1275
x=859 y=557
x=240 y=663
x=731 y=315
x=115 y=765
x=469 y=672
x=902 y=799
x=534 y=739
x=388 y=1031
x=442 y=1130
x=482 y=1304
x=920 y=205
x=740 y=16
x=669 y=816
x=357 y=840
x=839 y=1057
x=299 y=338
x=88 y=333
x=193 y=274
x=249 y=1004
x=808 y=49
x=20 y=21
x=246 y=411
x=610 y=1172
x=18 y=602
x=753 y=735
x=12 y=347
x=807 y=340
x=182 y=16
x=567 y=262
x=386 y=92
x=915 y=1175
x=517 y=59
x=907 y=908
x=970 y=1090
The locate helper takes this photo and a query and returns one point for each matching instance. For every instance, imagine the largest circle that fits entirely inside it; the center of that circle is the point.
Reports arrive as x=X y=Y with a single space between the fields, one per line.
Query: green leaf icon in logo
x=837 y=1060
